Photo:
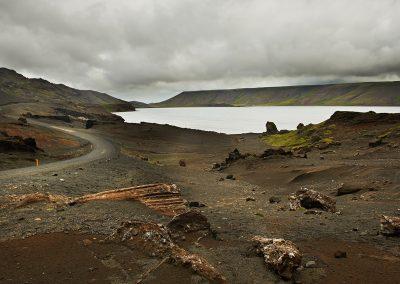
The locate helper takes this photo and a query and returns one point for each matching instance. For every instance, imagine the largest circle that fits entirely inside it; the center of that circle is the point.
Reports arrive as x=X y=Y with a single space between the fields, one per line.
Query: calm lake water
x=234 y=120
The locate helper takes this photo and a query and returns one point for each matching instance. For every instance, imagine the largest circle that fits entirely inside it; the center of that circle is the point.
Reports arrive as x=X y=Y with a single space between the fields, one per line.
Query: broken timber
x=161 y=197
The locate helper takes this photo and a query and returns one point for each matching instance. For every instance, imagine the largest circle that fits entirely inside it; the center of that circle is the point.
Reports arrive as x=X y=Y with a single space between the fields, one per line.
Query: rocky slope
x=374 y=93
x=19 y=94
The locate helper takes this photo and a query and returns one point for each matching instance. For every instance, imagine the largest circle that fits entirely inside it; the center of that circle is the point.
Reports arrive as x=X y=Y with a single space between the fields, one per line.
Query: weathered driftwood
x=155 y=240
x=25 y=199
x=280 y=255
x=164 y=198
x=390 y=226
x=309 y=199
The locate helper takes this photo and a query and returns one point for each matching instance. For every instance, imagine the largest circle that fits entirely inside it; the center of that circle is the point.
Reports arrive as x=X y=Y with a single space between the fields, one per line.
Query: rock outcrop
x=271 y=128
x=390 y=226
x=280 y=255
x=311 y=199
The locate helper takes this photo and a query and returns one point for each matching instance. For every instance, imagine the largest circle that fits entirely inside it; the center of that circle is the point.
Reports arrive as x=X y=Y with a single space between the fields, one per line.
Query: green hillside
x=348 y=94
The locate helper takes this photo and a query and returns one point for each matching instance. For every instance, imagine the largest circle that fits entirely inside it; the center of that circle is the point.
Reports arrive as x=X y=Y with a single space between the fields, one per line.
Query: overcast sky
x=151 y=50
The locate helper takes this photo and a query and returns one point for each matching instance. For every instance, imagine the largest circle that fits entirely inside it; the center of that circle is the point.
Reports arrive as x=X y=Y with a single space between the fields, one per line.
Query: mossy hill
x=348 y=94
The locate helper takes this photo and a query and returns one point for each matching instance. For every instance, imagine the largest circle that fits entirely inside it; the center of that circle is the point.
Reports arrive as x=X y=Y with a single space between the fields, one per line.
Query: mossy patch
x=305 y=137
x=290 y=139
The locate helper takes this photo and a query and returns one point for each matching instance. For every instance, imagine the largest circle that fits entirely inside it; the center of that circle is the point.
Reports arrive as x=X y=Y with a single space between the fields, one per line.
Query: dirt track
x=100 y=148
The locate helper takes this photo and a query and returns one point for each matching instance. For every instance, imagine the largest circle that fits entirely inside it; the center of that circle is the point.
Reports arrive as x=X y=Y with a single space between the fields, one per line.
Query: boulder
x=231 y=177
x=234 y=156
x=300 y=126
x=340 y=254
x=280 y=255
x=375 y=143
x=274 y=199
x=311 y=199
x=276 y=152
x=196 y=204
x=22 y=120
x=17 y=143
x=190 y=221
x=89 y=123
x=348 y=188
x=390 y=226
x=271 y=128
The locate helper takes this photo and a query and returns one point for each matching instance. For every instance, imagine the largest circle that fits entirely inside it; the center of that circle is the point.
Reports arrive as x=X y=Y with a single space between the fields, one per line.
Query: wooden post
x=37 y=162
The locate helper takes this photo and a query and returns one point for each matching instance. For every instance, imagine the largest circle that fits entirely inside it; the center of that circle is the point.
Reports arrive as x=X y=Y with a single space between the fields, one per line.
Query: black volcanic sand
x=150 y=153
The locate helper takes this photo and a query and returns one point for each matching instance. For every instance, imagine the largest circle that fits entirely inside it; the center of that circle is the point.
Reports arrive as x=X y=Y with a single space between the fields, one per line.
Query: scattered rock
x=216 y=166
x=390 y=226
x=89 y=123
x=231 y=177
x=196 y=204
x=274 y=199
x=340 y=254
x=310 y=199
x=276 y=152
x=250 y=198
x=182 y=163
x=280 y=255
x=234 y=156
x=310 y=264
x=313 y=212
x=271 y=128
x=376 y=142
x=191 y=221
x=22 y=120
x=87 y=242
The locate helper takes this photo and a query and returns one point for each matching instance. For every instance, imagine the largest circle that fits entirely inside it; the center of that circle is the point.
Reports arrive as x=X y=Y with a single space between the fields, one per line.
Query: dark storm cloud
x=150 y=50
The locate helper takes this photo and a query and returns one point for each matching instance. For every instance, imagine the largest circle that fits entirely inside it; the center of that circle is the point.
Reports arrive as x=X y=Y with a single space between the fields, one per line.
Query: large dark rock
x=17 y=143
x=311 y=199
x=89 y=123
x=276 y=152
x=300 y=126
x=191 y=221
x=271 y=128
x=376 y=142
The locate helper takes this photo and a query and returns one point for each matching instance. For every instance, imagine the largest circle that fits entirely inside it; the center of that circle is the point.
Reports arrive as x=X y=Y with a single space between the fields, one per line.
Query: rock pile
x=311 y=199
x=280 y=255
x=155 y=240
x=390 y=226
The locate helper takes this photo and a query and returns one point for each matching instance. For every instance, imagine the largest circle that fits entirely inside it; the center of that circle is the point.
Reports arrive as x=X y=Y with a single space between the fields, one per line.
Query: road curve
x=101 y=148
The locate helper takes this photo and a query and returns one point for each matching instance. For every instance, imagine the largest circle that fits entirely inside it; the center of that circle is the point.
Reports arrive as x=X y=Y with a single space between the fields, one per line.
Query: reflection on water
x=235 y=120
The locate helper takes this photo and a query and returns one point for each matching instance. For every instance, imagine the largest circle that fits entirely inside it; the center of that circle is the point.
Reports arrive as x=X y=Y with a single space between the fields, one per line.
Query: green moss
x=290 y=139
x=328 y=140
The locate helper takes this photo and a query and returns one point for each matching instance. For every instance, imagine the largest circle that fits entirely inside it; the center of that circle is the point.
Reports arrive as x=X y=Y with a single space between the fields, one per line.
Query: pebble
x=340 y=254
x=310 y=264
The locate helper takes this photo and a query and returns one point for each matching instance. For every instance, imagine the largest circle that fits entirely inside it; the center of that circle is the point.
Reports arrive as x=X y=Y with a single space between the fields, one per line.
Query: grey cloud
x=149 y=50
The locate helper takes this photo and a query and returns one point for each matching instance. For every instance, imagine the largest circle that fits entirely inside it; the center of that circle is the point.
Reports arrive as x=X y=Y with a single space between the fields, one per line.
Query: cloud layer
x=149 y=50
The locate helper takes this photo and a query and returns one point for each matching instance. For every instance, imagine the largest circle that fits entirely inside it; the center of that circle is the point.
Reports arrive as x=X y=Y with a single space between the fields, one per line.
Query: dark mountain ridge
x=39 y=95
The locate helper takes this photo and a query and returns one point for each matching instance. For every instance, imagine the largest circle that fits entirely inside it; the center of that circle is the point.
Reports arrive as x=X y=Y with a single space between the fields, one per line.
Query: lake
x=235 y=120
